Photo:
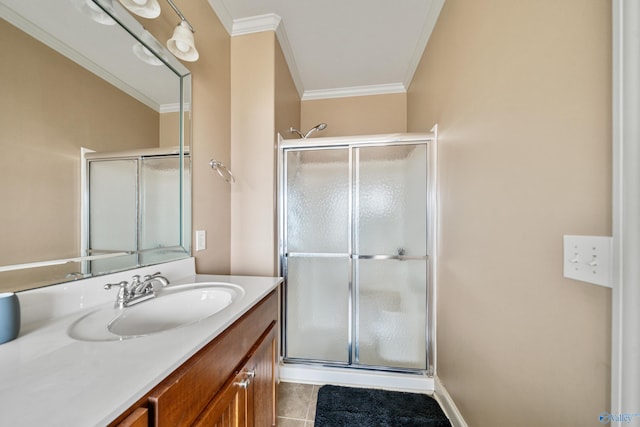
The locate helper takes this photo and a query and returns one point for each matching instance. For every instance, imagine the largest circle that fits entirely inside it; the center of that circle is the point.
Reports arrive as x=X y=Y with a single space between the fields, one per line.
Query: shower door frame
x=350 y=144
x=139 y=156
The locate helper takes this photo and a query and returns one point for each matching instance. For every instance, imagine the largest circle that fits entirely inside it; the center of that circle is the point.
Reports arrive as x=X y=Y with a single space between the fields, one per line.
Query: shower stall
x=357 y=240
x=134 y=203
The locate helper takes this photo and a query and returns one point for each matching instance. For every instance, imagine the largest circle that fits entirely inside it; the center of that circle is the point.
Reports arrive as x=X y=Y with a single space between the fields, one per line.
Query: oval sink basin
x=174 y=307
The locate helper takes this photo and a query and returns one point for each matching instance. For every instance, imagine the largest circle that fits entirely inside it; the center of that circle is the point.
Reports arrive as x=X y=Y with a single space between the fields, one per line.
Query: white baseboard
x=310 y=374
x=447 y=404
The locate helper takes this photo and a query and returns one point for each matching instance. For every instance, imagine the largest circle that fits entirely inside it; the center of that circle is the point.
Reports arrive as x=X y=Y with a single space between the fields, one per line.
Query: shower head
x=296 y=131
x=321 y=126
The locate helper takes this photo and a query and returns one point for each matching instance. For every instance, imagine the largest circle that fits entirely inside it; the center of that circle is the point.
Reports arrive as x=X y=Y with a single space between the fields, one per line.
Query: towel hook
x=223 y=171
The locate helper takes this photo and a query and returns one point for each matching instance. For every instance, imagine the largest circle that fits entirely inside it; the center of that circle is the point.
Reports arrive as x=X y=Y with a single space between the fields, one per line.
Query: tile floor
x=297 y=404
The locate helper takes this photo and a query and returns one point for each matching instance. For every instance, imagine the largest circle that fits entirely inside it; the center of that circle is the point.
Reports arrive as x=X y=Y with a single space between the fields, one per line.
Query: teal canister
x=9 y=317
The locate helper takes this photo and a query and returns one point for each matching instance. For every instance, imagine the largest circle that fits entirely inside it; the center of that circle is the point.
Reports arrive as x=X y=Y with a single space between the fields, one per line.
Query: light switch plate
x=201 y=240
x=588 y=259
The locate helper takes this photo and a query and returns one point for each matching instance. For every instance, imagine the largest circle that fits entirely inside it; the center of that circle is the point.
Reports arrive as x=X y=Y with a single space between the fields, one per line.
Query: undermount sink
x=174 y=306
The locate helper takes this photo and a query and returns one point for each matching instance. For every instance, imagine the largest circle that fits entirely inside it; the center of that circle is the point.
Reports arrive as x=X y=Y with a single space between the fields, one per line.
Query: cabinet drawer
x=180 y=398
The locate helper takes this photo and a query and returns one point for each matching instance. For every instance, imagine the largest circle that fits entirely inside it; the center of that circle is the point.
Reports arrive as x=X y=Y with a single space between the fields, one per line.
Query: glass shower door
x=317 y=259
x=390 y=256
x=354 y=254
x=160 y=213
x=113 y=205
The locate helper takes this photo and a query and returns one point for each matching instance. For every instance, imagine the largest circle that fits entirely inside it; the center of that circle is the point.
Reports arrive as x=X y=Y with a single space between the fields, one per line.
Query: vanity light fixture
x=145 y=55
x=93 y=11
x=182 y=43
x=144 y=8
x=149 y=49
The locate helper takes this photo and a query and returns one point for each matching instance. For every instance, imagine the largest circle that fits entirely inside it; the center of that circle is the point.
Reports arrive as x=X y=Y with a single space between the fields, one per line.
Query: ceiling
x=333 y=48
x=340 y=47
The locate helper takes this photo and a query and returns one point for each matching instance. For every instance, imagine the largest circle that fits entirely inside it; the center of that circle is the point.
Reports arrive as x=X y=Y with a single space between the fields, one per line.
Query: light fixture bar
x=182 y=17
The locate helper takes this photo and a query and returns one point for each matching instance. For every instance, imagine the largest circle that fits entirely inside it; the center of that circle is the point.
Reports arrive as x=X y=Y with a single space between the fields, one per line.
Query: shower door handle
x=396 y=257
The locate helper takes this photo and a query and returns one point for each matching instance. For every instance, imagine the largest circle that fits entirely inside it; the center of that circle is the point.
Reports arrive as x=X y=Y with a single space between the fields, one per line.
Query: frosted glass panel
x=317 y=308
x=160 y=202
x=160 y=224
x=112 y=221
x=379 y=193
x=392 y=200
x=317 y=202
x=392 y=313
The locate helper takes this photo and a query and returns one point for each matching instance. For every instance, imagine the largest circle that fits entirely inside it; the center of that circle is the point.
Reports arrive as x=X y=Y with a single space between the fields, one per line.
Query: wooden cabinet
x=230 y=382
x=139 y=418
x=248 y=399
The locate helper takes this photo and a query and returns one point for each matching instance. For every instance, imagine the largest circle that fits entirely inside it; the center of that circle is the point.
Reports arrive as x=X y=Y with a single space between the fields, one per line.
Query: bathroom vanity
x=231 y=381
x=220 y=370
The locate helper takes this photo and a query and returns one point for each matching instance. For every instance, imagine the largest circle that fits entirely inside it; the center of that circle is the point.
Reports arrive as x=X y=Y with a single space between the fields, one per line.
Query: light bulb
x=95 y=12
x=93 y=6
x=182 y=46
x=149 y=9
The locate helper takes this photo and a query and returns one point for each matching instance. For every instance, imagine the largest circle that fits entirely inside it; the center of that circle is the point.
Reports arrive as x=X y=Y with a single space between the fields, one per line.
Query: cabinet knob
x=251 y=374
x=244 y=383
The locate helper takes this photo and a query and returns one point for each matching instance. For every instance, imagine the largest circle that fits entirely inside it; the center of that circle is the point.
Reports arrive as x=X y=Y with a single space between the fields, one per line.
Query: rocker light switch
x=588 y=259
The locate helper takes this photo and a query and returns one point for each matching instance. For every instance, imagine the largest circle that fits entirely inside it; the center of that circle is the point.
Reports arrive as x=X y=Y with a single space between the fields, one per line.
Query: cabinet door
x=261 y=396
x=230 y=406
x=248 y=400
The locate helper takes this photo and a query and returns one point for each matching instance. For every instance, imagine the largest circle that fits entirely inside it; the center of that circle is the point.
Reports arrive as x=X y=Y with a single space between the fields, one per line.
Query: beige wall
x=356 y=115
x=243 y=94
x=211 y=207
x=211 y=135
x=252 y=154
x=51 y=107
x=521 y=93
x=170 y=129
x=287 y=100
x=261 y=103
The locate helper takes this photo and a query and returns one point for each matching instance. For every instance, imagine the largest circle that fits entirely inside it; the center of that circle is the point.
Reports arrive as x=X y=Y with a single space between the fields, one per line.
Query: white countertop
x=49 y=379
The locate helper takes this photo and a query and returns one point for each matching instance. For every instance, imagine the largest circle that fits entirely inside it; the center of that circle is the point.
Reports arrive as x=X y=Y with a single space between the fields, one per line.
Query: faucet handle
x=157 y=277
x=123 y=293
x=122 y=284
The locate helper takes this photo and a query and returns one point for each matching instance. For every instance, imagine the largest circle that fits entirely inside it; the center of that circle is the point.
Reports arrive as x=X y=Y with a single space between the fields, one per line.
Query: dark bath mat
x=362 y=407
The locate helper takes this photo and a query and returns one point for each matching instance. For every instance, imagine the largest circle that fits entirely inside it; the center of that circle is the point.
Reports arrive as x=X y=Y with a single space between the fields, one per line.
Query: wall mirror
x=84 y=83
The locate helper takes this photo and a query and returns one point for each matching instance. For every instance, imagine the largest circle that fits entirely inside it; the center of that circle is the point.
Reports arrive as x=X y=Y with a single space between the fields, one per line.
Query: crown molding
x=174 y=108
x=255 y=24
x=289 y=57
x=433 y=13
x=346 y=92
x=271 y=22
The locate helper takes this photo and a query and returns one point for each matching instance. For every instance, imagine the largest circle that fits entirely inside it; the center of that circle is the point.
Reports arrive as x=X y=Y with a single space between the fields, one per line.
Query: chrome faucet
x=146 y=284
x=138 y=290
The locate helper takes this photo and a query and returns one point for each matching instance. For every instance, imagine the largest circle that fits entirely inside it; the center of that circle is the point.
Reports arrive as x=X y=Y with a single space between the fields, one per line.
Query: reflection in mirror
x=131 y=208
x=73 y=86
